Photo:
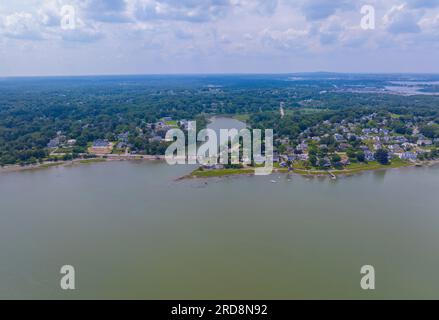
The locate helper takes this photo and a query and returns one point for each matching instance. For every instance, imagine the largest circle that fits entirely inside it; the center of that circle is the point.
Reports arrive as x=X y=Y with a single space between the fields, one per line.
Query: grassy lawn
x=85 y=161
x=220 y=172
x=49 y=165
x=358 y=167
x=242 y=117
x=118 y=151
x=298 y=165
x=172 y=123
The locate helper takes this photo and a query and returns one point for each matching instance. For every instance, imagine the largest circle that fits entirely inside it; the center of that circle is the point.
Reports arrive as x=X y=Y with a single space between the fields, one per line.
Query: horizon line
x=214 y=74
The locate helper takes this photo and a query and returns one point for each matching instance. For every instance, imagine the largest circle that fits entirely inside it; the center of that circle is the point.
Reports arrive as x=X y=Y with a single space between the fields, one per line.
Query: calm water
x=132 y=231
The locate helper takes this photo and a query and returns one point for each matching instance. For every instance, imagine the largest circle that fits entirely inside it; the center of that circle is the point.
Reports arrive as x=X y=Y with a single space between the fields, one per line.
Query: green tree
x=313 y=160
x=382 y=156
x=351 y=154
x=335 y=158
x=361 y=157
x=430 y=131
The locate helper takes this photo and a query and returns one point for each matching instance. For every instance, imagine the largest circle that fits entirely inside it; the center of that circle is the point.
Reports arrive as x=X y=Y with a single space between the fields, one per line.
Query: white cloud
x=224 y=30
x=287 y=40
x=400 y=20
x=21 y=25
x=423 y=3
x=322 y=9
x=186 y=10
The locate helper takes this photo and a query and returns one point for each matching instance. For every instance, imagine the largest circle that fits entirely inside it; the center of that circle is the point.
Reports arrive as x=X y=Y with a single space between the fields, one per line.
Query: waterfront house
x=345 y=161
x=302 y=147
x=369 y=155
x=325 y=162
x=53 y=143
x=395 y=148
x=400 y=139
x=411 y=156
x=303 y=156
x=384 y=132
x=123 y=136
x=424 y=142
x=121 y=145
x=408 y=145
x=71 y=142
x=101 y=146
x=339 y=137
x=344 y=146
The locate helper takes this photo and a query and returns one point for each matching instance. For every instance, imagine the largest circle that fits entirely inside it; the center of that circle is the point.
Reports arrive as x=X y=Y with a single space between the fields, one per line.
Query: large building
x=101 y=147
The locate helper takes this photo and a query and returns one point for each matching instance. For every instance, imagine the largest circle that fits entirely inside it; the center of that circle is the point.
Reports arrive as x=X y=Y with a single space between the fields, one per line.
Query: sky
x=43 y=37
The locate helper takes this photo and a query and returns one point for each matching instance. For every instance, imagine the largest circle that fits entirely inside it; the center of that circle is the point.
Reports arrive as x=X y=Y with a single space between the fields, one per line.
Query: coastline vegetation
x=94 y=160
x=302 y=170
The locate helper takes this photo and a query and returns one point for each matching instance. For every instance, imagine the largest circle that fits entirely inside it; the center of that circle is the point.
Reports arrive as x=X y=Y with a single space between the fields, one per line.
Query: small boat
x=273 y=181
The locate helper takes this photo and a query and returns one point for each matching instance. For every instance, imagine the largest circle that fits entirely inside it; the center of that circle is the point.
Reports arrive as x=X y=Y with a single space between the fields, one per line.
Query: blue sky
x=217 y=36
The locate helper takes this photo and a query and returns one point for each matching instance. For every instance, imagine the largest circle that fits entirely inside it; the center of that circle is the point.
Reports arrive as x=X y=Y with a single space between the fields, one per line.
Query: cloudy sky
x=216 y=36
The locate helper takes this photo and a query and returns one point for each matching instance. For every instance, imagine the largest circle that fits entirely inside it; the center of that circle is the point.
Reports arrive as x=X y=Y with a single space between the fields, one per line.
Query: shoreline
x=219 y=173
x=67 y=163
x=332 y=174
